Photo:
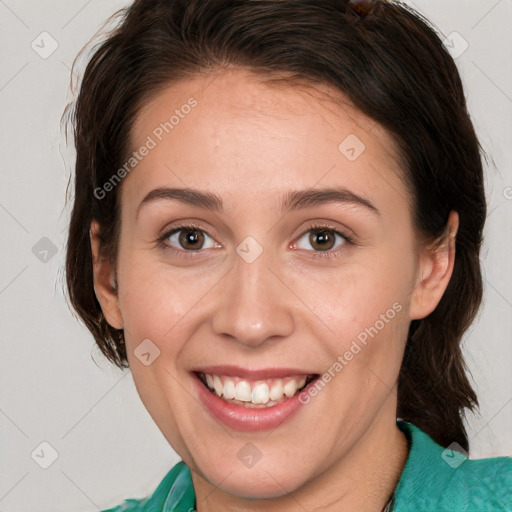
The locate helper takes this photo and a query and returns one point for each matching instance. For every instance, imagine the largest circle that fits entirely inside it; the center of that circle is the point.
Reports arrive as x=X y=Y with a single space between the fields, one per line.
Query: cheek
x=354 y=297
x=361 y=315
x=155 y=301
x=154 y=314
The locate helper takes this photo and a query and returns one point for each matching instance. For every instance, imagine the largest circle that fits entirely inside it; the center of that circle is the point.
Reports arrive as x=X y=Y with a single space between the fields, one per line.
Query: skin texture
x=250 y=143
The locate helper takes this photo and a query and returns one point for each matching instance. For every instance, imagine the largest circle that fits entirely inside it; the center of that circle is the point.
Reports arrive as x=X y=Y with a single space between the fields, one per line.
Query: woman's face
x=301 y=261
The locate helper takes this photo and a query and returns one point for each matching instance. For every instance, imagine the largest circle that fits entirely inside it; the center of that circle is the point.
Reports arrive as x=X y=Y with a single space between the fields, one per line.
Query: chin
x=256 y=486
x=265 y=480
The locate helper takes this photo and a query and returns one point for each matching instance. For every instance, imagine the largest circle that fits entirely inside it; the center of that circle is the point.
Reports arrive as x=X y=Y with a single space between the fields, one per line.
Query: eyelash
x=162 y=241
x=331 y=253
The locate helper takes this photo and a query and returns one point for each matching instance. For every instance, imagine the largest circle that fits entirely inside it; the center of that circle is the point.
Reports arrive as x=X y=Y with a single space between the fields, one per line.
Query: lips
x=237 y=397
x=255 y=392
x=262 y=388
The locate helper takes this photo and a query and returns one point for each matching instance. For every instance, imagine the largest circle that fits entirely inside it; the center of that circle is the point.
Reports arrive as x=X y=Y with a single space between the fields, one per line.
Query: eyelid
x=170 y=230
x=206 y=236
x=320 y=230
x=327 y=226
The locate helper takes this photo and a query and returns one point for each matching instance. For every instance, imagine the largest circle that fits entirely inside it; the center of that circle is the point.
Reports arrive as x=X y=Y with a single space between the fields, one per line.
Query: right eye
x=188 y=238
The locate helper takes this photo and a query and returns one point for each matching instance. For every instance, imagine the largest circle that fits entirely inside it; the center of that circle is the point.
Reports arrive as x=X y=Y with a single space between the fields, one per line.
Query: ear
x=435 y=270
x=105 y=286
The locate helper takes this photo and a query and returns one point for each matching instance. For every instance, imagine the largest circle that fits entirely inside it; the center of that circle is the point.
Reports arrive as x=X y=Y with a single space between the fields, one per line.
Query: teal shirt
x=434 y=479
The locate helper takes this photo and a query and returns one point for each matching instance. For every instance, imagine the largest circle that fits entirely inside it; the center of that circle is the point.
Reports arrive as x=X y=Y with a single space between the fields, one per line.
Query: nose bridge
x=254 y=306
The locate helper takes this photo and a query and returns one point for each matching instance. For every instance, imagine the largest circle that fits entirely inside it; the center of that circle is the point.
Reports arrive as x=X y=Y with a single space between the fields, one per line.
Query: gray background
x=56 y=387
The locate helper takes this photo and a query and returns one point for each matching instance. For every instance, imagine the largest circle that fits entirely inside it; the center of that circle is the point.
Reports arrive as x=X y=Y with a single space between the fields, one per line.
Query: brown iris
x=194 y=237
x=322 y=239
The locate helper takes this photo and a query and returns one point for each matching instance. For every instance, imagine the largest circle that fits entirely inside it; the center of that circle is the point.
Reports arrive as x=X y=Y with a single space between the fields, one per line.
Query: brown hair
x=393 y=67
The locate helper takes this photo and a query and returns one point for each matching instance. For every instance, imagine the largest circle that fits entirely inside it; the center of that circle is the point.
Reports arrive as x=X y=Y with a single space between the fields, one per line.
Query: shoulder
x=175 y=492
x=444 y=479
x=485 y=484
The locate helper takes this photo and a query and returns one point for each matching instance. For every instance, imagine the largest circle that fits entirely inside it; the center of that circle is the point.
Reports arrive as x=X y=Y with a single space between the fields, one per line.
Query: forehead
x=248 y=135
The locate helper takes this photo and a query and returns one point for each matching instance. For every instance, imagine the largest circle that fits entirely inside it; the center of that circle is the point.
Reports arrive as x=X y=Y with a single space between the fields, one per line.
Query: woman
x=278 y=214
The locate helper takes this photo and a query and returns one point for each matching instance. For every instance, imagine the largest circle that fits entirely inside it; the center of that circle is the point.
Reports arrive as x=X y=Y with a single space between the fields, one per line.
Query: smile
x=255 y=393
x=251 y=400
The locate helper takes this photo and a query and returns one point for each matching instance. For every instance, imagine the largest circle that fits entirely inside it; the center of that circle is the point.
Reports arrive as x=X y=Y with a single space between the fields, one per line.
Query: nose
x=255 y=305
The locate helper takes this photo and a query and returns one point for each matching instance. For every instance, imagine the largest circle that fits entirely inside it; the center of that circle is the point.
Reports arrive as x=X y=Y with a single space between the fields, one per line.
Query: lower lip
x=243 y=418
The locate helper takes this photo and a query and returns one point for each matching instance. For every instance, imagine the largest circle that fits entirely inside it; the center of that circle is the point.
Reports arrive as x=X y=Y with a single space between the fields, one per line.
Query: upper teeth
x=259 y=392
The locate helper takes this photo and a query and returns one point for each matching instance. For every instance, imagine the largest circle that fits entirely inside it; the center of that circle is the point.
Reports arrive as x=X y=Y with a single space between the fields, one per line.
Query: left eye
x=321 y=239
x=190 y=239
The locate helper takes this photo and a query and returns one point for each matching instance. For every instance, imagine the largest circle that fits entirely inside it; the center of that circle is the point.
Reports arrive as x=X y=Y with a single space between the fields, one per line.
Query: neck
x=363 y=480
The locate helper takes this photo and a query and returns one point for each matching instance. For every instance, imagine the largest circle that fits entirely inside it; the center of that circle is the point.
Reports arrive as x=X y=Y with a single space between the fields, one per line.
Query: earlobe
x=105 y=286
x=435 y=270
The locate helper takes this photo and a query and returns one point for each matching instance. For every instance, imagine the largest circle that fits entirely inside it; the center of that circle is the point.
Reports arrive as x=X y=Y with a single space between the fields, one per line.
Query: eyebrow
x=293 y=200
